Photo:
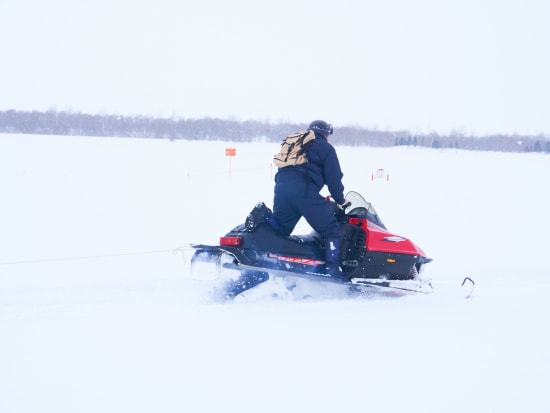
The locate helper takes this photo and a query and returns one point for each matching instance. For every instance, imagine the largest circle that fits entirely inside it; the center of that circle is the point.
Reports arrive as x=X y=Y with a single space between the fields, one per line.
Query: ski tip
x=468 y=283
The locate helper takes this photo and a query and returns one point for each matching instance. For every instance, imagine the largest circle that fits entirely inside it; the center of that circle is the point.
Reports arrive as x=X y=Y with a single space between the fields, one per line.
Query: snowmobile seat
x=266 y=238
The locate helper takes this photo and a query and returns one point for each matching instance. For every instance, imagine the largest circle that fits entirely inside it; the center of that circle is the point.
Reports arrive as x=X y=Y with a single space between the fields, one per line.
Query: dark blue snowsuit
x=297 y=194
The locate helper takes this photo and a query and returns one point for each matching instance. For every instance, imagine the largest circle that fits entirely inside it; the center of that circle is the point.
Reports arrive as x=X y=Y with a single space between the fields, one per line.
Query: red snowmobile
x=372 y=258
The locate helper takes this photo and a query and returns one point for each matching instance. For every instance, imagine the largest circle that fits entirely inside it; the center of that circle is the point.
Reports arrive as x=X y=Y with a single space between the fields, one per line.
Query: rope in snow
x=174 y=251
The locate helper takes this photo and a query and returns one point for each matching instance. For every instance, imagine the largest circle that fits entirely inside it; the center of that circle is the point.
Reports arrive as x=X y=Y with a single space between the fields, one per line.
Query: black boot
x=332 y=269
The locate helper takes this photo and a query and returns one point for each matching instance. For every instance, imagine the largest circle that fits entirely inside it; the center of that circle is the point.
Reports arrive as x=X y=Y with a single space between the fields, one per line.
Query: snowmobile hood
x=380 y=240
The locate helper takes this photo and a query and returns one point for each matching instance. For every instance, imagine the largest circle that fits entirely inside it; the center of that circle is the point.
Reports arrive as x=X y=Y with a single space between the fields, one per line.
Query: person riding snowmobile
x=296 y=194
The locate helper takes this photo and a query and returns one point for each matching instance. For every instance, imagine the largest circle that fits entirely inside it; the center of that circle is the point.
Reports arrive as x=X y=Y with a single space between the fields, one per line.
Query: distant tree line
x=80 y=124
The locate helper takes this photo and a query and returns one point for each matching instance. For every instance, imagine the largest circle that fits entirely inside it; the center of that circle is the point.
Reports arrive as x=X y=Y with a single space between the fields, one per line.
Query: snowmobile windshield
x=362 y=209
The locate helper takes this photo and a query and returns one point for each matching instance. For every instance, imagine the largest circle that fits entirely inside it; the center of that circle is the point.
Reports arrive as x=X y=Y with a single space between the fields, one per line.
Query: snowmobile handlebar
x=344 y=205
x=341 y=206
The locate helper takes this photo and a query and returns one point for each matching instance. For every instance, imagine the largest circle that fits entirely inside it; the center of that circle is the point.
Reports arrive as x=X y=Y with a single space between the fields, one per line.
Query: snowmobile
x=371 y=257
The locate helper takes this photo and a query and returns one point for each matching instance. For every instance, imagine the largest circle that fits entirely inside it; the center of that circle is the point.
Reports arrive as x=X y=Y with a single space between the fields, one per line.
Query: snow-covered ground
x=99 y=313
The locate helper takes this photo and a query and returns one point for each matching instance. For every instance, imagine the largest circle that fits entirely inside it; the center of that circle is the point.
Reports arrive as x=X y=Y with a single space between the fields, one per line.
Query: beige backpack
x=293 y=149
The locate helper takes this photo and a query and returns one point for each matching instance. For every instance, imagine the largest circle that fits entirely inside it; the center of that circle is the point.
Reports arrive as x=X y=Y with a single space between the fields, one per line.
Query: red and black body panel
x=387 y=255
x=367 y=251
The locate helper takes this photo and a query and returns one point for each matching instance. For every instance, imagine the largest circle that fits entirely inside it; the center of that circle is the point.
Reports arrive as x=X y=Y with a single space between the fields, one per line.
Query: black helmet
x=321 y=126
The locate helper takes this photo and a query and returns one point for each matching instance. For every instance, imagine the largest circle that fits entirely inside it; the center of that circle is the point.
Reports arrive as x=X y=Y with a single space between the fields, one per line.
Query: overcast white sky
x=478 y=66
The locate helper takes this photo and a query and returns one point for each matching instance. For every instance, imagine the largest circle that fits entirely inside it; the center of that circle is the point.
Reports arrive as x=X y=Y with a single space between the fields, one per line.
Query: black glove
x=344 y=205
